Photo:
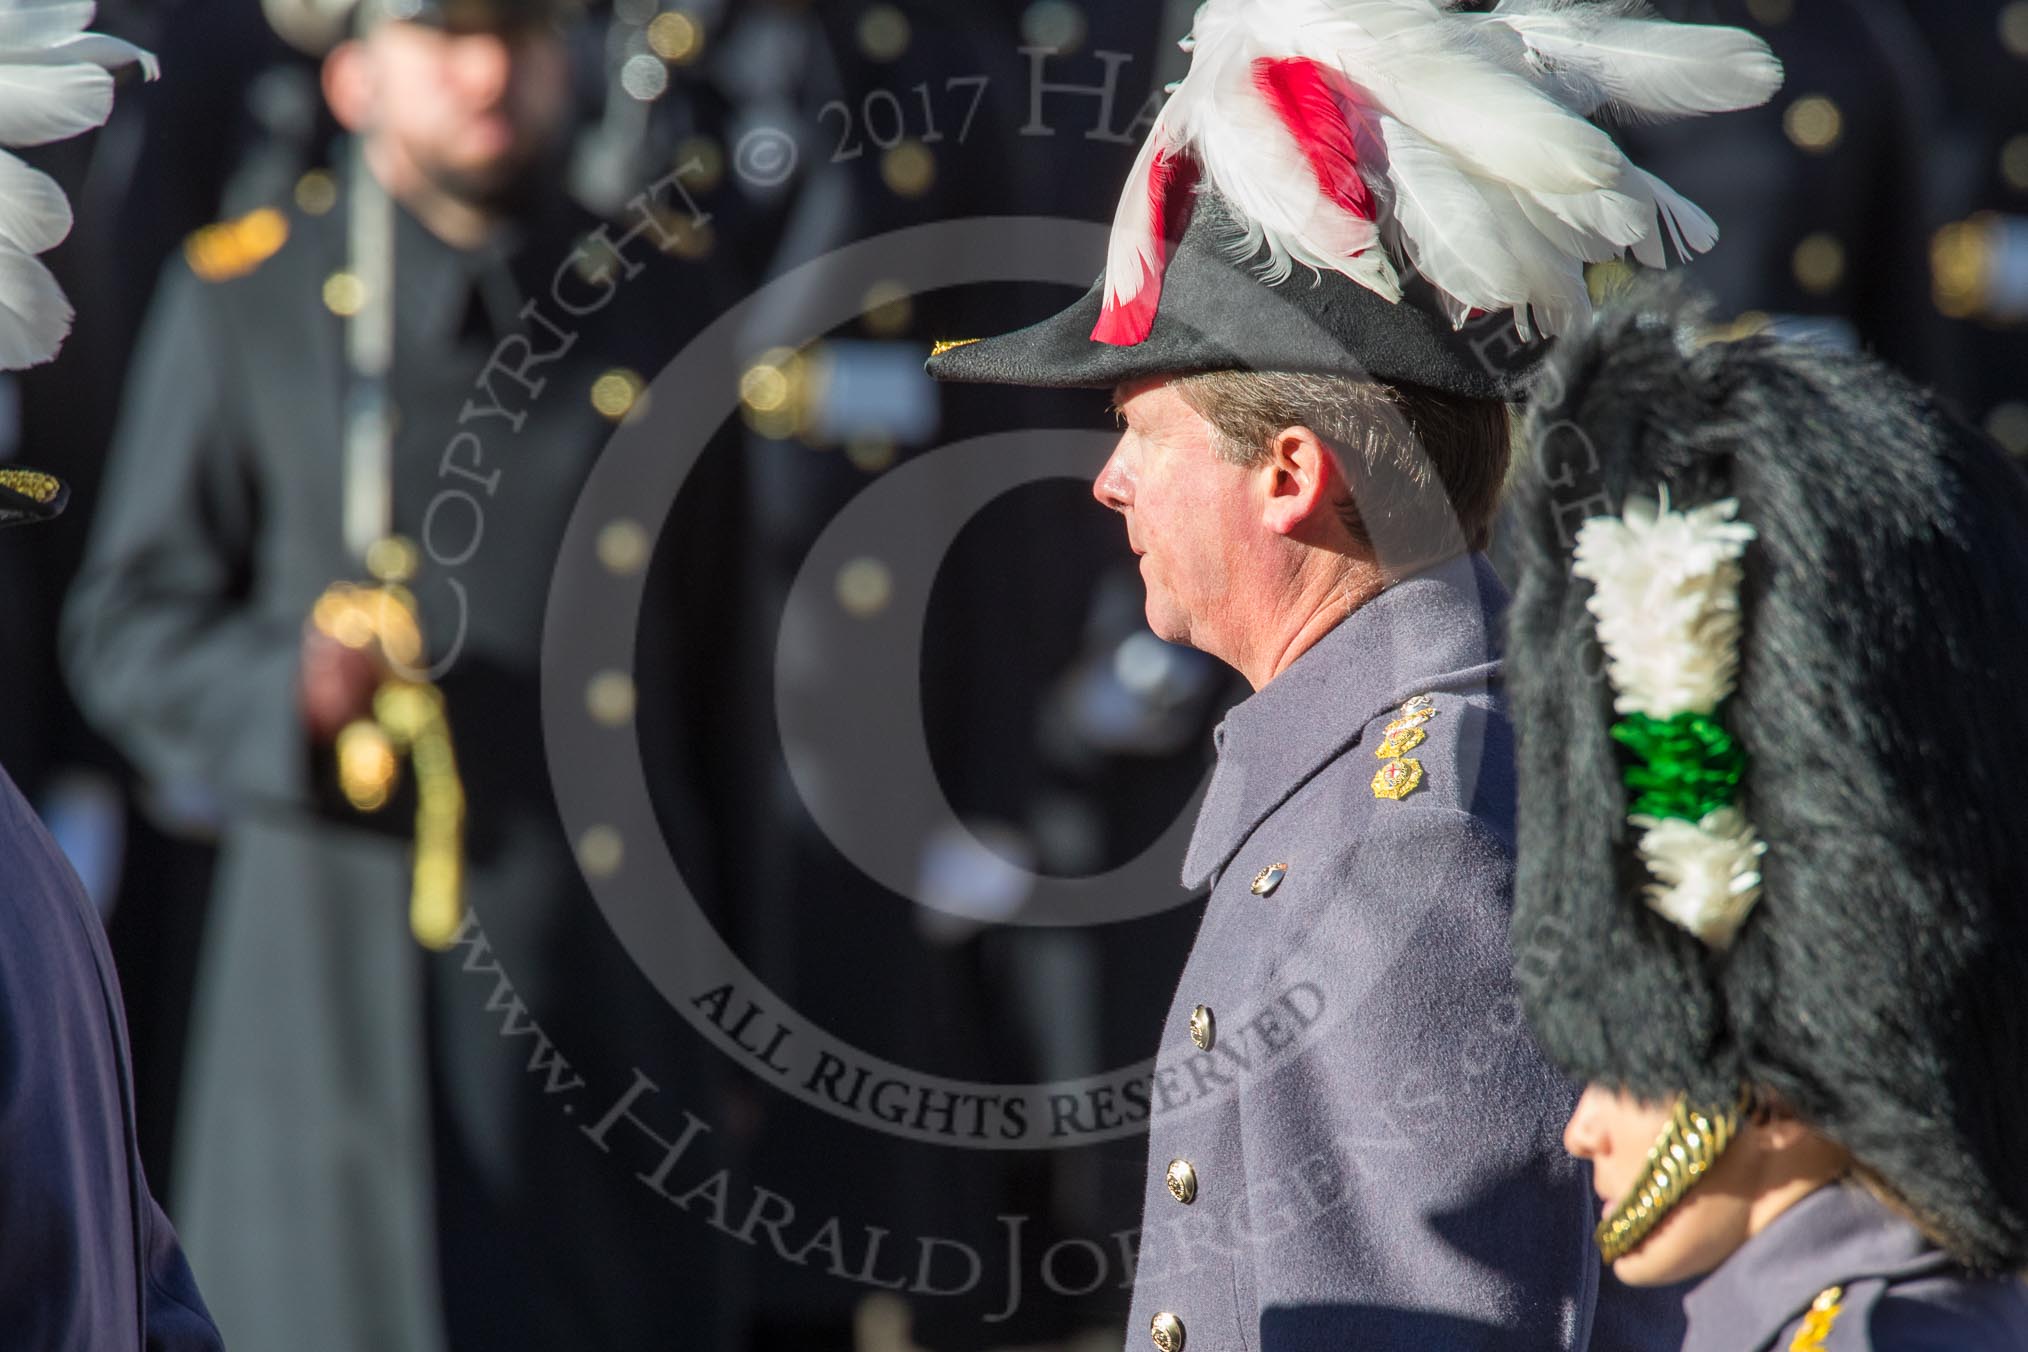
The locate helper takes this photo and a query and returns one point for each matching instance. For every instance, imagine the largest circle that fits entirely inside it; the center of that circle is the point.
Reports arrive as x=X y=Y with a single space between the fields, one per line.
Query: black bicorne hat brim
x=1218 y=314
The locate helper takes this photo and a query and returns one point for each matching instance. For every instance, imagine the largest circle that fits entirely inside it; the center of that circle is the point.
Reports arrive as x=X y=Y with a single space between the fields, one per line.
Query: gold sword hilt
x=408 y=721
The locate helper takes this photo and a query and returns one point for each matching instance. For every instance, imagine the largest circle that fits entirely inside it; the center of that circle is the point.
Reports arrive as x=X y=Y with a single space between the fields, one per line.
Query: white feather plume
x=1444 y=229
x=1690 y=229
x=1665 y=595
x=1551 y=279
x=1424 y=67
x=34 y=213
x=1472 y=140
x=1256 y=166
x=34 y=316
x=55 y=82
x=1594 y=226
x=1132 y=257
x=1592 y=56
x=1707 y=873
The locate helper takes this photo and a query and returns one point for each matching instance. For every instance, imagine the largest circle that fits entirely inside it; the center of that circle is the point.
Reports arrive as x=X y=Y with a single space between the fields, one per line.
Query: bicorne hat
x=1395 y=189
x=1766 y=661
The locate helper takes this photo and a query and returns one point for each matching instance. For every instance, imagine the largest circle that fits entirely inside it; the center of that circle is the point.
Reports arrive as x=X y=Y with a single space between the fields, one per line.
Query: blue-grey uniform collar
x=1435 y=630
x=1838 y=1235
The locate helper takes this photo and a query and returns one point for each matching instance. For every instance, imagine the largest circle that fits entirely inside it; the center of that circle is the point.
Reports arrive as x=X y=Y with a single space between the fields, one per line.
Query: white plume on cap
x=55 y=82
x=1361 y=136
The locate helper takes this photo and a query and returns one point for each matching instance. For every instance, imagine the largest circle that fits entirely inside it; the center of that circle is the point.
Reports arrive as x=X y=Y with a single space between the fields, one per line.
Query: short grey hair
x=1414 y=455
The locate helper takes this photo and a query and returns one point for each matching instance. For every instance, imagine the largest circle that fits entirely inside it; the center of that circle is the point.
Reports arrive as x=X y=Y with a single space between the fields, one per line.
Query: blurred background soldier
x=371 y=1151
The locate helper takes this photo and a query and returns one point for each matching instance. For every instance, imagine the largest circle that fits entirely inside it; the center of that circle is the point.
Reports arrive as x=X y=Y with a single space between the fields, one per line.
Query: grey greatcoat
x=1354 y=1143
x=364 y=1158
x=1840 y=1272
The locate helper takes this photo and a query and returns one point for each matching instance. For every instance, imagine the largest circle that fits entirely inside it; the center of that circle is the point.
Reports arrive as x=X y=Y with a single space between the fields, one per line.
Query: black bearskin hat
x=1880 y=984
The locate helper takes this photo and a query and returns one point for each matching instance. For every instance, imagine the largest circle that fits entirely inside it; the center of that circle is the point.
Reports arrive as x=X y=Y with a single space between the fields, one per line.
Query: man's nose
x=1112 y=488
x=1582 y=1134
x=484 y=63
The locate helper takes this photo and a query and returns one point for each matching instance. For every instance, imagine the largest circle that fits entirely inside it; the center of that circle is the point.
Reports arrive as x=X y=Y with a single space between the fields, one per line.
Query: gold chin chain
x=1690 y=1143
x=408 y=719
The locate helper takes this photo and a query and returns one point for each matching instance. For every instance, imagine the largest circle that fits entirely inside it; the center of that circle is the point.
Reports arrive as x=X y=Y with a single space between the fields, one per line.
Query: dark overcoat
x=1354 y=1142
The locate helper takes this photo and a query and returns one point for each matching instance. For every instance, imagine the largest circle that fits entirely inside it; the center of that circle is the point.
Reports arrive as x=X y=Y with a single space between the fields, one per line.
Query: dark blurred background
x=1881 y=201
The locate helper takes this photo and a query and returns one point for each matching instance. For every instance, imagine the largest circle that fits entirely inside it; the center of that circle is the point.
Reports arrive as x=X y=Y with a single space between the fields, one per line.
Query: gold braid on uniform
x=408 y=720
x=1690 y=1143
x=31 y=484
x=1816 y=1326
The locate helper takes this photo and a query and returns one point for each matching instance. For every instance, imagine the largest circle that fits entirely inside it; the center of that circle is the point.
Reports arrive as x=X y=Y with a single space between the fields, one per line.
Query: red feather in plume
x=1365 y=137
x=1172 y=178
x=1306 y=97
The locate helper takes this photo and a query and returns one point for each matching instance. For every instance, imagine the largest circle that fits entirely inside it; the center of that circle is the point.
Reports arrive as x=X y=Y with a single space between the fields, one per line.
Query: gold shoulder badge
x=1405 y=733
x=229 y=249
x=1398 y=778
x=1817 y=1323
x=938 y=349
x=1399 y=742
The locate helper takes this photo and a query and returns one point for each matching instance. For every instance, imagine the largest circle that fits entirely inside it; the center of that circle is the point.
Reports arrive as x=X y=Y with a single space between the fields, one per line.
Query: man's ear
x=348 y=84
x=1302 y=480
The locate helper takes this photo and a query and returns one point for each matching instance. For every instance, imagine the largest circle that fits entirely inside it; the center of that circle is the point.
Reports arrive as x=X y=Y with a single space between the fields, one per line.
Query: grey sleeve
x=162 y=644
x=1418 y=1139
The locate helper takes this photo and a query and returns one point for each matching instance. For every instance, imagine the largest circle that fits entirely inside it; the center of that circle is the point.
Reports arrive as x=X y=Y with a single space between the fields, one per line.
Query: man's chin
x=504 y=185
x=1164 y=622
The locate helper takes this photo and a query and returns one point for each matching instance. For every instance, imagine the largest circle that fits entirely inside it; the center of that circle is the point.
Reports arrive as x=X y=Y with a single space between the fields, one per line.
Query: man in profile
x=1333 y=265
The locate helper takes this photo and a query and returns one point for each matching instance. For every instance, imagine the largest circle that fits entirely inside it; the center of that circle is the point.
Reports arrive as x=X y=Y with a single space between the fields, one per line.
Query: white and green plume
x=1665 y=598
